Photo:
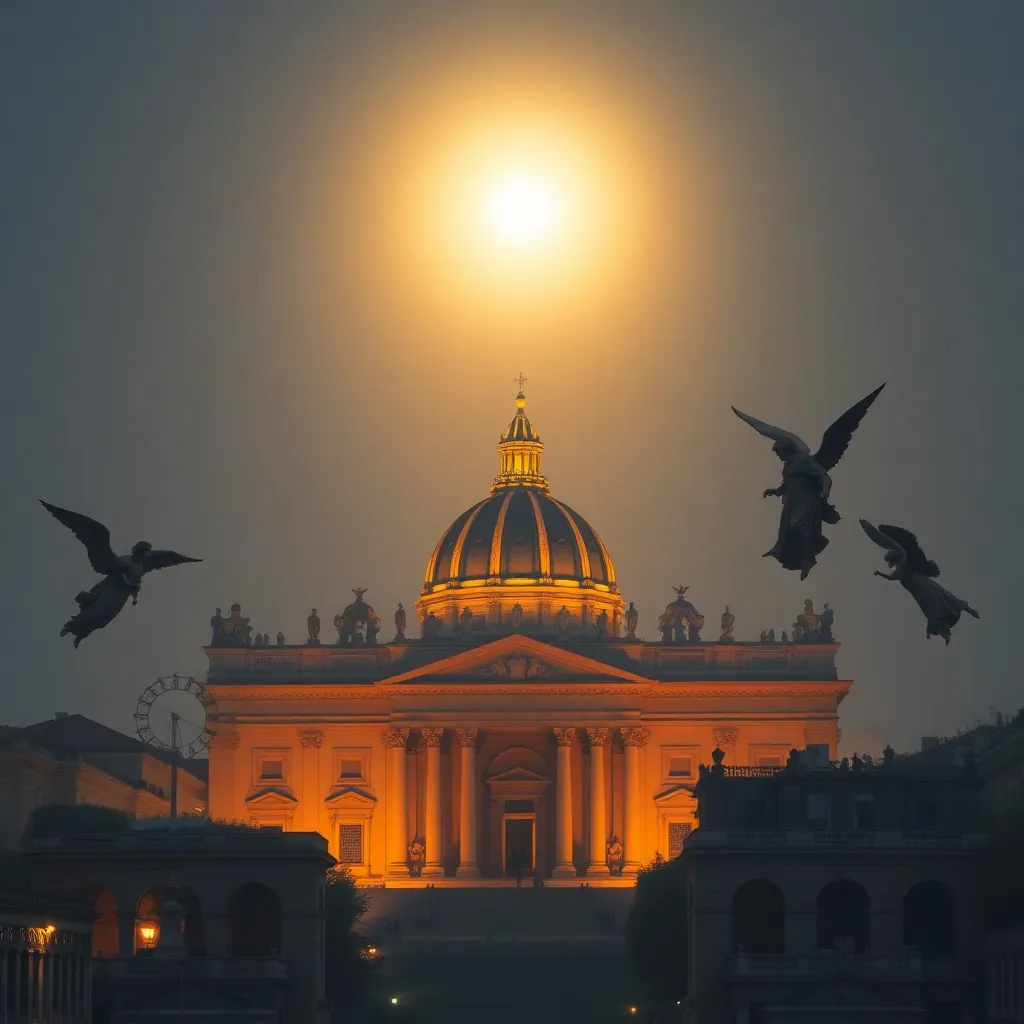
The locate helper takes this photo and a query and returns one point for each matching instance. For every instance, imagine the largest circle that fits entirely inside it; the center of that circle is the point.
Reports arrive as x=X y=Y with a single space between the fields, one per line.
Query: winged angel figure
x=123 y=573
x=806 y=485
x=916 y=572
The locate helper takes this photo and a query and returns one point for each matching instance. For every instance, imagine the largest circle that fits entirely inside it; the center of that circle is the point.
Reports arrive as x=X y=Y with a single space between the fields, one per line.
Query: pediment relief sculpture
x=517 y=666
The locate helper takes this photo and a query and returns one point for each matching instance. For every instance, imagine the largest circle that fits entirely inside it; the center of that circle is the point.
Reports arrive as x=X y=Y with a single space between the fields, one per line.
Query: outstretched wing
x=159 y=559
x=837 y=437
x=95 y=536
x=775 y=433
x=919 y=561
x=882 y=538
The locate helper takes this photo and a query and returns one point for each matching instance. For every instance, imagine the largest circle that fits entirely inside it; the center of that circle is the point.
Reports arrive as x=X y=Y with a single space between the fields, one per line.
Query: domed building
x=527 y=730
x=527 y=735
x=520 y=558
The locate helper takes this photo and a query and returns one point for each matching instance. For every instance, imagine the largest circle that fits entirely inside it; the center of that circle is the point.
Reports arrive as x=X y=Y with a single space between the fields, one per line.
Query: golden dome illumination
x=521 y=547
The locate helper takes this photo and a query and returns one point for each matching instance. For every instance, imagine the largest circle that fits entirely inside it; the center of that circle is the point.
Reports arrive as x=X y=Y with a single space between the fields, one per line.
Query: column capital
x=467 y=737
x=634 y=736
x=431 y=737
x=565 y=737
x=395 y=738
x=600 y=737
x=308 y=740
x=227 y=740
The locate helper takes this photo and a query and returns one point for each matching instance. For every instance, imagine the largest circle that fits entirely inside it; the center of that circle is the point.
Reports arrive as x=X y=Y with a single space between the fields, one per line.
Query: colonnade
x=50 y=985
x=598 y=740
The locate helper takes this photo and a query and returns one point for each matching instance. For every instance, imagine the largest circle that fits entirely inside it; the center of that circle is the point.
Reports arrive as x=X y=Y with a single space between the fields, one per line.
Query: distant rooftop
x=76 y=734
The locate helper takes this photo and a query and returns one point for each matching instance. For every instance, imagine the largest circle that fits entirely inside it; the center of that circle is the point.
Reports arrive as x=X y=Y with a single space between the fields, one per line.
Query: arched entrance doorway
x=518 y=780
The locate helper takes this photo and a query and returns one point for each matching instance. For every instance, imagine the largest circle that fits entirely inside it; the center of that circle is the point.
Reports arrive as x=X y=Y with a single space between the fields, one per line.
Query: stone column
x=633 y=739
x=396 y=741
x=599 y=739
x=468 y=867
x=434 y=866
x=564 y=866
x=17 y=981
x=311 y=798
x=220 y=800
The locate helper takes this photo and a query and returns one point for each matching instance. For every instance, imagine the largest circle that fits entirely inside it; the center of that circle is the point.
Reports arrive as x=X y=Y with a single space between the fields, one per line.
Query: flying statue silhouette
x=916 y=573
x=122 y=573
x=806 y=485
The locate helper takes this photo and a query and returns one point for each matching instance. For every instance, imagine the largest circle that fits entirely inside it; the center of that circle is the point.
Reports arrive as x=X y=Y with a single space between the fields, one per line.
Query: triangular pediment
x=515 y=658
x=350 y=796
x=517 y=774
x=675 y=796
x=271 y=798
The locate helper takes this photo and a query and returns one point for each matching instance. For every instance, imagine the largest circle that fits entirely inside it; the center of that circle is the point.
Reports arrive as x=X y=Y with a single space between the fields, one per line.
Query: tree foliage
x=53 y=820
x=656 y=931
x=349 y=964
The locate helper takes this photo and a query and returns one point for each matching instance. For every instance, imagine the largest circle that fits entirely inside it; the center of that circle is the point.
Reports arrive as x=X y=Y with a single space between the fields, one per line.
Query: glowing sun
x=522 y=208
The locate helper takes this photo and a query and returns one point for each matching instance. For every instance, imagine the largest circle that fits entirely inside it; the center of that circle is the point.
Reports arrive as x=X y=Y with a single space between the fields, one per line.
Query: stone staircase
x=499 y=955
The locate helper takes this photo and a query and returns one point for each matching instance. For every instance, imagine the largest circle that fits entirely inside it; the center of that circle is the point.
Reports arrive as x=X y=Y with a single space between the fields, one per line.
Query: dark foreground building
x=822 y=894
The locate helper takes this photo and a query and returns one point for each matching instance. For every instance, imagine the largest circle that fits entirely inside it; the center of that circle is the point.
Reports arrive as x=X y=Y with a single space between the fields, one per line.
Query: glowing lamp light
x=50 y=929
x=147 y=932
x=394 y=1000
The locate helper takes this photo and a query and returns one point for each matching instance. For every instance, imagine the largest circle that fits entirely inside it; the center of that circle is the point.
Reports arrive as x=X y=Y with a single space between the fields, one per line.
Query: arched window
x=147 y=916
x=254 y=921
x=759 y=918
x=105 y=933
x=929 y=919
x=844 y=917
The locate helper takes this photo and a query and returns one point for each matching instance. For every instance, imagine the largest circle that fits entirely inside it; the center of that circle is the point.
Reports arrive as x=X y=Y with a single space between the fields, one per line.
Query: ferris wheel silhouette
x=173 y=715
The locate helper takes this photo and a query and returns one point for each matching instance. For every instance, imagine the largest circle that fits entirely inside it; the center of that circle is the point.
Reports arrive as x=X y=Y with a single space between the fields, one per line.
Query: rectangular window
x=770 y=761
x=680 y=767
x=926 y=814
x=350 y=844
x=864 y=815
x=271 y=770
x=817 y=810
x=677 y=833
x=351 y=768
x=679 y=764
x=271 y=828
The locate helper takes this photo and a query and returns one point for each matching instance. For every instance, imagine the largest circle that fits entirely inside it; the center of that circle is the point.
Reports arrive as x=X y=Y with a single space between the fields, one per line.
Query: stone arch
x=147 y=914
x=519 y=757
x=844 y=916
x=929 y=919
x=105 y=931
x=255 y=921
x=759 y=918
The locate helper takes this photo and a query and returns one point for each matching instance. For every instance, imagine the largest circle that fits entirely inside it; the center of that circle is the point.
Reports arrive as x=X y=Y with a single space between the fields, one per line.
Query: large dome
x=519 y=533
x=521 y=547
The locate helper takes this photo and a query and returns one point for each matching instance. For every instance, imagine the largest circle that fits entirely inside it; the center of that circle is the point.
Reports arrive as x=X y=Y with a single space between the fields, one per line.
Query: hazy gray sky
x=209 y=345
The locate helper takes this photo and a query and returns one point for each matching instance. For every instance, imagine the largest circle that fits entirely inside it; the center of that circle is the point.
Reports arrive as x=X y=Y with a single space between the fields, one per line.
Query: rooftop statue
x=632 y=618
x=234 y=631
x=679 y=619
x=916 y=573
x=313 y=625
x=807 y=486
x=728 y=625
x=400 y=622
x=122 y=573
x=357 y=623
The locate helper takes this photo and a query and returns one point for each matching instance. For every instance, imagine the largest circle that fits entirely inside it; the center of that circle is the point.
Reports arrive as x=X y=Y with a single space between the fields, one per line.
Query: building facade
x=527 y=731
x=839 y=895
x=248 y=935
x=71 y=759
